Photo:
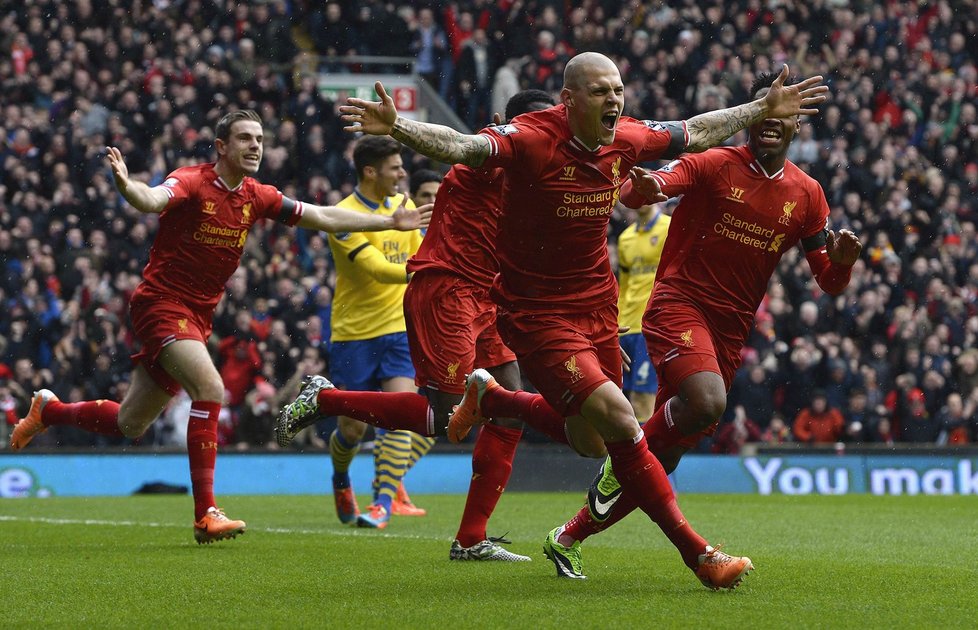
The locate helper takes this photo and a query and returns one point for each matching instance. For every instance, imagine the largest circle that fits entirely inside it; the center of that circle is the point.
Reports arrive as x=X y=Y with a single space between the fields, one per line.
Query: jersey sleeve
x=679 y=176
x=178 y=186
x=276 y=206
x=362 y=253
x=506 y=143
x=663 y=140
x=818 y=212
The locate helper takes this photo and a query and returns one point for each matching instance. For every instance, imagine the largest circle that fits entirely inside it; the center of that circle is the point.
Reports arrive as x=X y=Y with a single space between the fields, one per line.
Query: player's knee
x=352 y=433
x=133 y=428
x=209 y=389
x=586 y=443
x=592 y=451
x=707 y=408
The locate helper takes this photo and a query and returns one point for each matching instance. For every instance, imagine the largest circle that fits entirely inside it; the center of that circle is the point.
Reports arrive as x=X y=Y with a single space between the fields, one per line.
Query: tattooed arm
x=781 y=101
x=441 y=143
x=435 y=141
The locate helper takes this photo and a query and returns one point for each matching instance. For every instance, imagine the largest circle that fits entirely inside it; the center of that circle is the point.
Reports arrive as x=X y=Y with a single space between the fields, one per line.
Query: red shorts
x=451 y=329
x=567 y=356
x=680 y=344
x=158 y=321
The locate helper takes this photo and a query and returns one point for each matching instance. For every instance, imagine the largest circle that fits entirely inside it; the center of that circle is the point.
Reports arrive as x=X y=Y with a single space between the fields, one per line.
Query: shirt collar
x=648 y=225
x=370 y=204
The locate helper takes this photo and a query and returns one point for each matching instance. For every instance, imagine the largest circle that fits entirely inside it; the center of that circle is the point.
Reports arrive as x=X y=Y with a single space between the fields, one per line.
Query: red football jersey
x=203 y=230
x=552 y=242
x=729 y=231
x=462 y=235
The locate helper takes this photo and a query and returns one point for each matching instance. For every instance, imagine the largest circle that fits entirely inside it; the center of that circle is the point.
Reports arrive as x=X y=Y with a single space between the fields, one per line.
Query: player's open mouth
x=610 y=120
x=251 y=158
x=770 y=136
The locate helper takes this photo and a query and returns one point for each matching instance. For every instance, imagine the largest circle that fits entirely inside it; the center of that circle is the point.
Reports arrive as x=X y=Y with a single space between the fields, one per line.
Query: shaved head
x=582 y=66
x=594 y=97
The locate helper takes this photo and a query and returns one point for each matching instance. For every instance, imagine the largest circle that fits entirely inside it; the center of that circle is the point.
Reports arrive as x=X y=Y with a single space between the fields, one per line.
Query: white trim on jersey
x=757 y=167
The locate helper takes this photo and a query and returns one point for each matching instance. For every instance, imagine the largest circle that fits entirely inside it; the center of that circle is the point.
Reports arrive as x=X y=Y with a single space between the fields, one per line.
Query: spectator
x=818 y=423
x=732 y=436
x=957 y=420
x=430 y=46
x=777 y=432
x=476 y=67
x=754 y=390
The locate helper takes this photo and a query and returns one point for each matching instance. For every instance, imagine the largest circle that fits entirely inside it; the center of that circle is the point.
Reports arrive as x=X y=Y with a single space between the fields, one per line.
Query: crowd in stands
x=893 y=359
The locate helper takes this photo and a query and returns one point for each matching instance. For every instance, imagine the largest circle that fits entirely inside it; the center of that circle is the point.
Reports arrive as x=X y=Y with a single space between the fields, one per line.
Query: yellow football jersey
x=371 y=274
x=639 y=250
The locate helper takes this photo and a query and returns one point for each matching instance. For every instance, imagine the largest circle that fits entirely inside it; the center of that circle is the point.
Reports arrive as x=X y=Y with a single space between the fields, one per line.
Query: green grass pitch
x=821 y=562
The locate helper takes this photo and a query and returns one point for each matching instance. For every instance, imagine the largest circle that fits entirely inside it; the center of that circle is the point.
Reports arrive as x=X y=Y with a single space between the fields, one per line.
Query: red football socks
x=661 y=432
x=642 y=476
x=385 y=410
x=530 y=408
x=97 y=416
x=202 y=449
x=583 y=525
x=492 y=463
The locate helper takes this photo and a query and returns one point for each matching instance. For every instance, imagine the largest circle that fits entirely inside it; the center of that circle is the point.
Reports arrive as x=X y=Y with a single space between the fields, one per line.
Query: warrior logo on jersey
x=687 y=337
x=789 y=207
x=452 y=372
x=568 y=175
x=504 y=130
x=246 y=213
x=736 y=194
x=571 y=366
x=209 y=207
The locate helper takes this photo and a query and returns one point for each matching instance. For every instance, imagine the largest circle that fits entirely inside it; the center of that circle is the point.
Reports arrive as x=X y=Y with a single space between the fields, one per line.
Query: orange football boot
x=403 y=506
x=718 y=570
x=468 y=412
x=30 y=425
x=216 y=526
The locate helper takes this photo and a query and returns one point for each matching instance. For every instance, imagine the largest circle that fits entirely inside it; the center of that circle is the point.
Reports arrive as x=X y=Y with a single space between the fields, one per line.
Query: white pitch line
x=267 y=530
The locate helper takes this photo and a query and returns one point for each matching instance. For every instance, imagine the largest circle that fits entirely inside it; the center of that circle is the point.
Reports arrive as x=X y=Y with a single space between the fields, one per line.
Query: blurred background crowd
x=893 y=359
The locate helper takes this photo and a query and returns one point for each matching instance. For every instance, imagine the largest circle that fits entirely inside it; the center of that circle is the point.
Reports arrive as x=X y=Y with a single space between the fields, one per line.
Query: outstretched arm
x=712 y=128
x=335 y=219
x=435 y=141
x=139 y=195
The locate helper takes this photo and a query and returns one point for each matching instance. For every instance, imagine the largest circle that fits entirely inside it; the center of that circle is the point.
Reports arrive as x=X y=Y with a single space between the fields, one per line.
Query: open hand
x=406 y=219
x=646 y=185
x=119 y=169
x=370 y=117
x=799 y=98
